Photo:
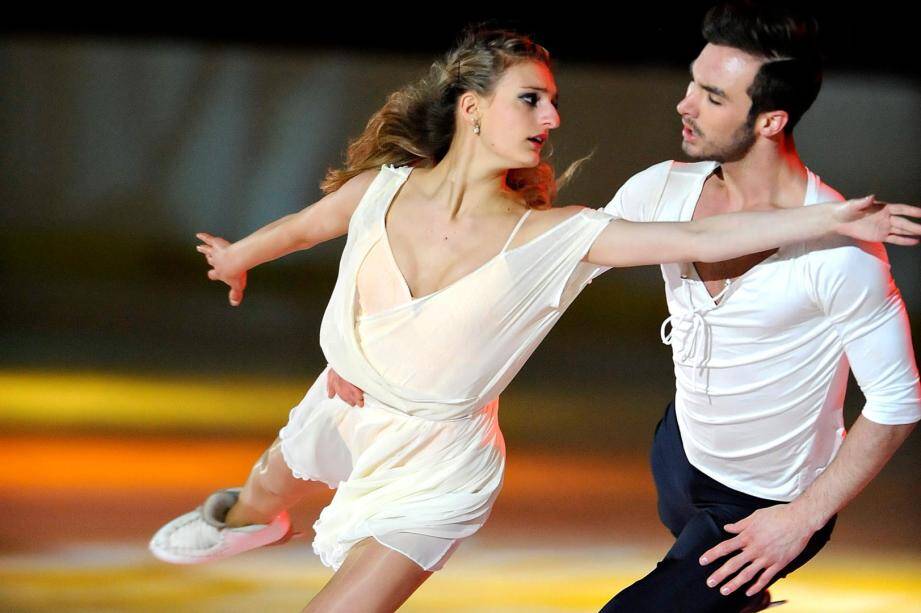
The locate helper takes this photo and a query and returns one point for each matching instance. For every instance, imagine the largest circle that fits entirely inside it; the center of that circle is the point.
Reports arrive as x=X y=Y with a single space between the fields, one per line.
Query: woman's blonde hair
x=416 y=124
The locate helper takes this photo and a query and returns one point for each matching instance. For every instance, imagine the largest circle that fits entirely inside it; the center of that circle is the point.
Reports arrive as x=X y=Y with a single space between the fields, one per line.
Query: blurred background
x=129 y=389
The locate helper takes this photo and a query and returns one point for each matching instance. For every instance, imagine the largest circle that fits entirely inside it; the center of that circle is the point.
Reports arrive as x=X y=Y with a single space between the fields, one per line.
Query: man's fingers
x=337 y=386
x=332 y=383
x=724 y=548
x=356 y=397
x=344 y=391
x=764 y=580
x=731 y=566
x=748 y=573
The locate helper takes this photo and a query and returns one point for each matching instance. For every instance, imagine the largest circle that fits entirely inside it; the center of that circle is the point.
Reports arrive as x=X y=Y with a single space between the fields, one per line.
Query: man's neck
x=771 y=175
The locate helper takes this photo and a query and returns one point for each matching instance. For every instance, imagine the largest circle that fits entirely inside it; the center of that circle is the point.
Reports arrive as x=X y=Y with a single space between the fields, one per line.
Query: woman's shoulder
x=356 y=186
x=540 y=221
x=373 y=179
x=360 y=183
x=343 y=203
x=558 y=214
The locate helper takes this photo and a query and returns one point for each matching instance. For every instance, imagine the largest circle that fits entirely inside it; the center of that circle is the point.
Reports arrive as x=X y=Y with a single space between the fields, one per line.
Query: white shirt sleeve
x=637 y=198
x=852 y=285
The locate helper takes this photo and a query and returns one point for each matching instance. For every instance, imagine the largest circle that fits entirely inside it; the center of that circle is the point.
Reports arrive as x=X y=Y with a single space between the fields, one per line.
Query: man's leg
x=694 y=507
x=677 y=577
x=678 y=582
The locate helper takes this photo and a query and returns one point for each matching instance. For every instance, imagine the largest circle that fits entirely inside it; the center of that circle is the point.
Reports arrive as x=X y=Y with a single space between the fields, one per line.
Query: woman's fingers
x=904 y=241
x=212 y=249
x=212 y=241
x=900 y=225
x=862 y=204
x=904 y=209
x=206 y=251
x=235 y=296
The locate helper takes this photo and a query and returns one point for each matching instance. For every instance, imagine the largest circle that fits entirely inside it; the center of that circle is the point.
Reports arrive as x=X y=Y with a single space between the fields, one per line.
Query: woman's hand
x=871 y=220
x=216 y=251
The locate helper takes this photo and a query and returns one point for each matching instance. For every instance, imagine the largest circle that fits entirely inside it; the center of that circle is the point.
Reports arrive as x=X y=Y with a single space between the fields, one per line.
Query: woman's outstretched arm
x=723 y=237
x=324 y=220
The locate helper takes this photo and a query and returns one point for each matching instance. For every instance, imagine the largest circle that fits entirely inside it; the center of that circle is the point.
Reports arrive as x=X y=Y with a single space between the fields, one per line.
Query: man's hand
x=767 y=540
x=337 y=386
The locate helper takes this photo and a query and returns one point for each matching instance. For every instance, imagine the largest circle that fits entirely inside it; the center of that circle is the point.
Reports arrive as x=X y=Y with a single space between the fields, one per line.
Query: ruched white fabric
x=420 y=465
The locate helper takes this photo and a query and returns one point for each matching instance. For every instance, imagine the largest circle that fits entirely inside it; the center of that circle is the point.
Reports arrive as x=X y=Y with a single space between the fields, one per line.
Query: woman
x=454 y=270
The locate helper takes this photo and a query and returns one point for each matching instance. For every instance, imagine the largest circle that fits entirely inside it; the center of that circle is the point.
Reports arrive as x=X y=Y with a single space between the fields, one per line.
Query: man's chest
x=766 y=296
x=715 y=276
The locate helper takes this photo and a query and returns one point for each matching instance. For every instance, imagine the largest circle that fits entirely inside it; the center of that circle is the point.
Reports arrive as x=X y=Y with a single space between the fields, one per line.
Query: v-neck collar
x=385 y=237
x=689 y=269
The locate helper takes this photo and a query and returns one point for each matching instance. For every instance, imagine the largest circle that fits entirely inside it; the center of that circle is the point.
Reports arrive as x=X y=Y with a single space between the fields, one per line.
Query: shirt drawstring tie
x=694 y=350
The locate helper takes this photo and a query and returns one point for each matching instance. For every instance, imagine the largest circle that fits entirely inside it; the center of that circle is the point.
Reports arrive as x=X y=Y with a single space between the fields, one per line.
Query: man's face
x=714 y=110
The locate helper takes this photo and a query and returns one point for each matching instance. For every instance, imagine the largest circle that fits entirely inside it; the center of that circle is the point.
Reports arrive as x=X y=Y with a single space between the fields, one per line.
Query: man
x=750 y=461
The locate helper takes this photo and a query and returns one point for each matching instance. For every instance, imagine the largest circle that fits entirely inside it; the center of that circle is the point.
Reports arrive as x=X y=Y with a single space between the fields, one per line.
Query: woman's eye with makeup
x=530 y=98
x=714 y=101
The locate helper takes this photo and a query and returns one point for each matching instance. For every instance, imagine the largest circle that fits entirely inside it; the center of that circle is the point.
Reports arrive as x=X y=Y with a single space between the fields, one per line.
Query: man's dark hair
x=787 y=39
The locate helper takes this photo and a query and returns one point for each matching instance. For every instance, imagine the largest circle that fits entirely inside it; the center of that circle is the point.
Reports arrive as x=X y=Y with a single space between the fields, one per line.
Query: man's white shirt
x=761 y=369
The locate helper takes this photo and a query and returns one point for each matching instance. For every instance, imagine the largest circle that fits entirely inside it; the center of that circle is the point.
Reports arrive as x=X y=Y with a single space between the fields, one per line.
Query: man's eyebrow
x=708 y=88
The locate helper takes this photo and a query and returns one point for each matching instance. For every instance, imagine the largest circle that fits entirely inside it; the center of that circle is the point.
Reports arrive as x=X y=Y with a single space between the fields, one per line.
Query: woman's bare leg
x=270 y=489
x=373 y=579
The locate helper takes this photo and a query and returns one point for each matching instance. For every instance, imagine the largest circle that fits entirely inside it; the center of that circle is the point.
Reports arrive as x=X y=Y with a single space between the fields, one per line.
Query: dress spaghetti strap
x=517 y=227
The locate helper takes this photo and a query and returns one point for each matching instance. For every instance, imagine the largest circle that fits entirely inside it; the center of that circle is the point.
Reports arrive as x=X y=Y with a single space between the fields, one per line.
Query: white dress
x=419 y=466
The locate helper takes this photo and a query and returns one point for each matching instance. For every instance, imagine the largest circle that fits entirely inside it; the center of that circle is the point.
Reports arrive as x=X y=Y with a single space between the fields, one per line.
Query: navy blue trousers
x=694 y=507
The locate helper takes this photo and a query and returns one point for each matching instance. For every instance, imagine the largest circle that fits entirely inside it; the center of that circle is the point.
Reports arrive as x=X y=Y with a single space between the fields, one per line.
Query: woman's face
x=515 y=121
